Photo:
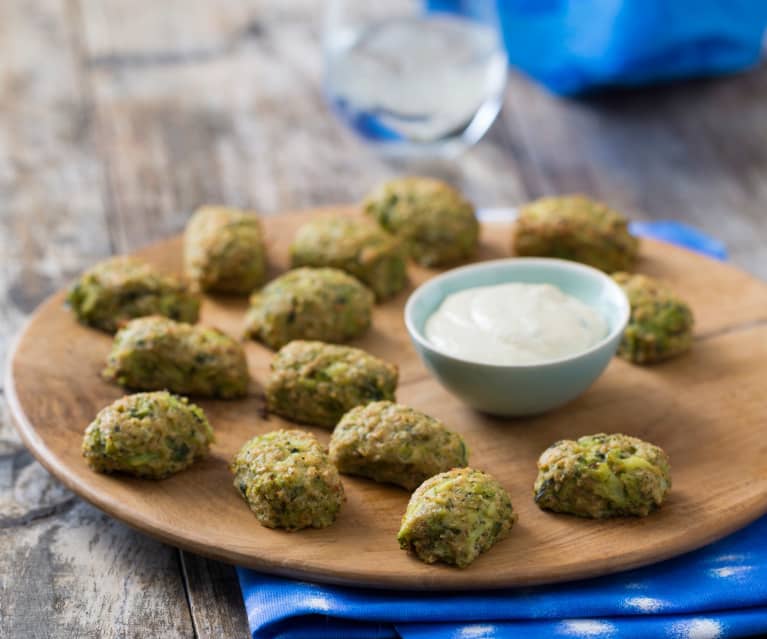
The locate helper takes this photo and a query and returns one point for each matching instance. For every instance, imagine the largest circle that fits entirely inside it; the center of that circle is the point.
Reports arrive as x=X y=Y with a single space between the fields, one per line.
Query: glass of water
x=416 y=78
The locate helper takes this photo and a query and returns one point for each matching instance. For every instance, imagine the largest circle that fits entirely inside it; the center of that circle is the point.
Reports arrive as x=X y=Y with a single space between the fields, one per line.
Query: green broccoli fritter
x=602 y=476
x=434 y=221
x=150 y=435
x=357 y=246
x=395 y=444
x=316 y=383
x=155 y=353
x=224 y=250
x=287 y=480
x=661 y=324
x=574 y=227
x=455 y=516
x=118 y=289
x=310 y=303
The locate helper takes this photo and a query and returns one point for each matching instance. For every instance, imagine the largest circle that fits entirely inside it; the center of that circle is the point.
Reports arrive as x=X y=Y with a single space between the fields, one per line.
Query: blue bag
x=574 y=46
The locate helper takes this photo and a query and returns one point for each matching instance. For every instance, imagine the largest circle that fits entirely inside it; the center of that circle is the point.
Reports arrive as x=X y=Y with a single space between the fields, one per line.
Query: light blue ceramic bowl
x=519 y=390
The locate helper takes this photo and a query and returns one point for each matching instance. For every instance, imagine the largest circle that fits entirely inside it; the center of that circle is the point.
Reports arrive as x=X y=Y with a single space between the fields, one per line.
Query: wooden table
x=117 y=119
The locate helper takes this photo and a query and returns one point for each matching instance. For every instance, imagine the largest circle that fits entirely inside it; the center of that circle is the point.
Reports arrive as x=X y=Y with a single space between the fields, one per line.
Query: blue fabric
x=717 y=592
x=573 y=46
x=680 y=234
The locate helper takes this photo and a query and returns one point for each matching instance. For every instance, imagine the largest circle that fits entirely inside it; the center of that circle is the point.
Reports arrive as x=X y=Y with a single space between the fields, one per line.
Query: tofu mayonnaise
x=514 y=323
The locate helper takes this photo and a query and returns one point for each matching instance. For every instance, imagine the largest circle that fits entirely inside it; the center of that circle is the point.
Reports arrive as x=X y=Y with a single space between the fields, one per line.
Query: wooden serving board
x=708 y=410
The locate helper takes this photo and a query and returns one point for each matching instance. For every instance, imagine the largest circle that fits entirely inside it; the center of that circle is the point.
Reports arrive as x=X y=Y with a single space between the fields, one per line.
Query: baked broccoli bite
x=601 y=476
x=574 y=227
x=357 y=246
x=660 y=325
x=316 y=383
x=433 y=220
x=154 y=353
x=151 y=435
x=309 y=303
x=224 y=250
x=118 y=289
x=455 y=516
x=395 y=444
x=287 y=480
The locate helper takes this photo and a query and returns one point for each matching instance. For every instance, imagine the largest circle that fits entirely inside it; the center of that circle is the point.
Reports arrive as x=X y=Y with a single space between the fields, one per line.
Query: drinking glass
x=421 y=78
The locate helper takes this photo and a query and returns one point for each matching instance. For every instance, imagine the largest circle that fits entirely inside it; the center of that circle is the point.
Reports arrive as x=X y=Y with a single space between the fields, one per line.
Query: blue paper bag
x=574 y=46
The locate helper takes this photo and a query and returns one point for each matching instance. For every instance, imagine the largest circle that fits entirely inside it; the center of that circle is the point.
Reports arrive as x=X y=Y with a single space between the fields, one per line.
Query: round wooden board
x=706 y=409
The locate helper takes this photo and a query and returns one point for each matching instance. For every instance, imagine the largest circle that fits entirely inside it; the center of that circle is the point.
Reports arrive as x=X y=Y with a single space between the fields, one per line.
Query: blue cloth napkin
x=714 y=593
x=573 y=46
x=681 y=235
x=717 y=592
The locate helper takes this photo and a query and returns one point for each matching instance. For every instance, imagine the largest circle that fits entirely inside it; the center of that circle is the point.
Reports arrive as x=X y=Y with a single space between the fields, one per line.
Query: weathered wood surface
x=116 y=119
x=66 y=570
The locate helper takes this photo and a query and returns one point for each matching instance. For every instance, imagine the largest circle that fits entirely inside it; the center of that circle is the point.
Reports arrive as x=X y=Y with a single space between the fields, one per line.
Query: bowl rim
x=582 y=269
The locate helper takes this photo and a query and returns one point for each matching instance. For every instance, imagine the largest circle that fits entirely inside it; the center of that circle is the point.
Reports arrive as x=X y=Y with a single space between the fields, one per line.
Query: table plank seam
x=187 y=593
x=731 y=329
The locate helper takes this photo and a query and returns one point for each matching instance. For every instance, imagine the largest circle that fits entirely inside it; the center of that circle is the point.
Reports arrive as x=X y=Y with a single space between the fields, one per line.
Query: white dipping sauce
x=514 y=324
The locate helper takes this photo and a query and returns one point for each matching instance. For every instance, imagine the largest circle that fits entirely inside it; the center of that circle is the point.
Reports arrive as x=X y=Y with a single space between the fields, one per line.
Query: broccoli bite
x=574 y=227
x=435 y=222
x=601 y=476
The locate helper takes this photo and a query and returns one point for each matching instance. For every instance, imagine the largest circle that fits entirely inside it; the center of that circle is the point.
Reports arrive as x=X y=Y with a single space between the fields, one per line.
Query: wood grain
x=66 y=569
x=94 y=159
x=705 y=408
x=229 y=108
x=691 y=152
x=215 y=599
